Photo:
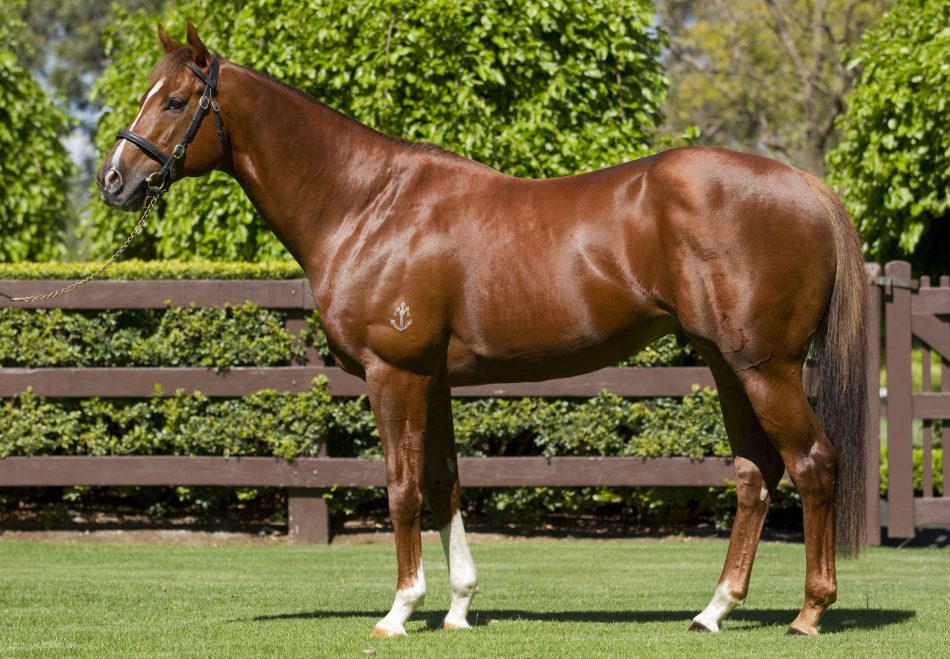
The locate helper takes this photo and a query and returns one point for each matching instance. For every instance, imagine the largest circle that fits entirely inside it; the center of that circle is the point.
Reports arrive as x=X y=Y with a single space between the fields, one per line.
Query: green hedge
x=170 y=269
x=290 y=425
x=268 y=423
x=243 y=335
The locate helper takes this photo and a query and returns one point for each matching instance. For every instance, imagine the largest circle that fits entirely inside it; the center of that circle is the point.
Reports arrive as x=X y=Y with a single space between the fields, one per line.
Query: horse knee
x=405 y=501
x=441 y=480
x=751 y=490
x=443 y=494
x=464 y=580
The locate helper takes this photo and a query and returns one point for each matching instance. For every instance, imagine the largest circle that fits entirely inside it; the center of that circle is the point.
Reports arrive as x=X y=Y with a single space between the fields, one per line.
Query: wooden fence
x=917 y=314
x=307 y=478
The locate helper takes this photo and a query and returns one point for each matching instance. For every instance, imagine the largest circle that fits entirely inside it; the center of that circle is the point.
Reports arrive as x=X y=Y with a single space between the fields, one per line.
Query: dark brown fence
x=918 y=315
x=307 y=478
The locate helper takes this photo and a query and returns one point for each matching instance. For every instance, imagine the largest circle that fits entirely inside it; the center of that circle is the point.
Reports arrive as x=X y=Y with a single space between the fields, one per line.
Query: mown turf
x=539 y=599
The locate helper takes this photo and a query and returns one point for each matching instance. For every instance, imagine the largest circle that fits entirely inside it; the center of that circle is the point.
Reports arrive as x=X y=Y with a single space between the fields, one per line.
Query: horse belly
x=552 y=335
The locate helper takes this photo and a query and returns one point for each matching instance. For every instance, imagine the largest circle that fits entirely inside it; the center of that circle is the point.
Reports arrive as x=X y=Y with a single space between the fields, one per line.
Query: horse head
x=168 y=139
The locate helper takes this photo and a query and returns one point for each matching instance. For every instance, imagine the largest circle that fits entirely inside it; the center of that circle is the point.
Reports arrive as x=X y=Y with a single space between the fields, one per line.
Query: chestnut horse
x=431 y=271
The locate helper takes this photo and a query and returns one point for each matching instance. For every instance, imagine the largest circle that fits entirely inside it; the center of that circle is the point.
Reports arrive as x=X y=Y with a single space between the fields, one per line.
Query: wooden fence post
x=308 y=520
x=900 y=463
x=873 y=523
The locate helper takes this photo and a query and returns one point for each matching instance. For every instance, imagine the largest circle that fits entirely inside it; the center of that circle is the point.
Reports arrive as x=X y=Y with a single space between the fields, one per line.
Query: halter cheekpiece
x=159 y=182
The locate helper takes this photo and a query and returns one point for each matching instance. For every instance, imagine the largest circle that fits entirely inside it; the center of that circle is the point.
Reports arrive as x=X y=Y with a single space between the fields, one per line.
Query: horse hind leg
x=443 y=492
x=779 y=401
x=758 y=469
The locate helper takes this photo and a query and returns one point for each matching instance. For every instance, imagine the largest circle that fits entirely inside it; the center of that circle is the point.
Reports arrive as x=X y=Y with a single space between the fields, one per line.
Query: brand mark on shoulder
x=402 y=318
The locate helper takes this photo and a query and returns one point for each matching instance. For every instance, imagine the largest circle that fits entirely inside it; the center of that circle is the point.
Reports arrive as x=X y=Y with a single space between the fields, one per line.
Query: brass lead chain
x=149 y=202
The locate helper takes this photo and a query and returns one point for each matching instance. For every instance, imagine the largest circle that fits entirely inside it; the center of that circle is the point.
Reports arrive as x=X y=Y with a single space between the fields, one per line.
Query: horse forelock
x=172 y=64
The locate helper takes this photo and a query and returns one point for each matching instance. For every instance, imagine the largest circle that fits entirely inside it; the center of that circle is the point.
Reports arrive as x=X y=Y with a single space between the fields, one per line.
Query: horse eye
x=176 y=104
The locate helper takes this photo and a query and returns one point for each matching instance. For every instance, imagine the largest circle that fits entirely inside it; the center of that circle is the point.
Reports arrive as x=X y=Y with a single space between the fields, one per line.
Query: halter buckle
x=203 y=102
x=178 y=151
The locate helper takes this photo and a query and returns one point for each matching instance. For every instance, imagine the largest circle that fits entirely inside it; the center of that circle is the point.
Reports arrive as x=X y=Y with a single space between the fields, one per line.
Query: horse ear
x=199 y=52
x=167 y=42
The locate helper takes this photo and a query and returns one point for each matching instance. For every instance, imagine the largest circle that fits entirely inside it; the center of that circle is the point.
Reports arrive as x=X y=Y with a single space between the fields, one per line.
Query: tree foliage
x=64 y=42
x=34 y=167
x=763 y=76
x=535 y=88
x=893 y=163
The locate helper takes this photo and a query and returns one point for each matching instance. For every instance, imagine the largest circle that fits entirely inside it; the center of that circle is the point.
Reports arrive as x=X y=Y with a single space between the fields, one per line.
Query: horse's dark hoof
x=695 y=626
x=791 y=631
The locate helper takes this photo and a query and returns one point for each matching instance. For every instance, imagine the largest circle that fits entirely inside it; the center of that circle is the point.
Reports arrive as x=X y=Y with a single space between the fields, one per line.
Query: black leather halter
x=159 y=182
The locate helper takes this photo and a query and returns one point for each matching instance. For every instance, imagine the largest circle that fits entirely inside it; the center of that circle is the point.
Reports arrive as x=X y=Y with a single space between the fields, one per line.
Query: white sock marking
x=721 y=605
x=463 y=577
x=405 y=603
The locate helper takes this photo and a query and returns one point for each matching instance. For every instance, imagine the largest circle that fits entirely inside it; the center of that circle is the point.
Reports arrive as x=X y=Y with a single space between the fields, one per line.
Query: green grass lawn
x=538 y=599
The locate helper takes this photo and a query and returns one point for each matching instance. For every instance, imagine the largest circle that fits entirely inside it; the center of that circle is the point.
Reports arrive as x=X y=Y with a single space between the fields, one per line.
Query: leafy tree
x=64 y=42
x=534 y=88
x=63 y=48
x=764 y=76
x=893 y=163
x=34 y=167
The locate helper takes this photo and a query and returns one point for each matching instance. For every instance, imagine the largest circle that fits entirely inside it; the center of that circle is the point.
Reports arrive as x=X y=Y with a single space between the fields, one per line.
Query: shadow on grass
x=835 y=620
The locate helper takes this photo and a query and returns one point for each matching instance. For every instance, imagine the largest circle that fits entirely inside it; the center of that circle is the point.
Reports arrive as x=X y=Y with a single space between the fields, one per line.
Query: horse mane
x=419 y=146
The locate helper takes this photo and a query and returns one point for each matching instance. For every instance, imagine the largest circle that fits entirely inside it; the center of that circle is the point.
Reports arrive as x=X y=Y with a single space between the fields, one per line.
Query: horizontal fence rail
x=158 y=294
x=356 y=472
x=241 y=381
x=307 y=478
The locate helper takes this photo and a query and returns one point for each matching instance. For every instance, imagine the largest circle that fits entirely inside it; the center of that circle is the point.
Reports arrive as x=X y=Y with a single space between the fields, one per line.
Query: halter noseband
x=159 y=182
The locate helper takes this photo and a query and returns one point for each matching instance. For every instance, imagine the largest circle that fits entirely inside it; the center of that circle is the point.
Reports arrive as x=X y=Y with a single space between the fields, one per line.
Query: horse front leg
x=400 y=404
x=443 y=492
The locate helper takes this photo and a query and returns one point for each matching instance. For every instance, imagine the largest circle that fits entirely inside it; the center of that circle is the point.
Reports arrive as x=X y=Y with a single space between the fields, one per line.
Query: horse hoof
x=451 y=626
x=696 y=626
x=794 y=631
x=382 y=632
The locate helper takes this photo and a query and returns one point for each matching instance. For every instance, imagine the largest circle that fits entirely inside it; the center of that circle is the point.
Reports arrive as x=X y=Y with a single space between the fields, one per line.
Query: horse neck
x=306 y=167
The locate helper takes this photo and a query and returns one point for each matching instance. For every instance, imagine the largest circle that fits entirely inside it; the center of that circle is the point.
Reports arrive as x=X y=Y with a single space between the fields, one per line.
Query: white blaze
x=117 y=156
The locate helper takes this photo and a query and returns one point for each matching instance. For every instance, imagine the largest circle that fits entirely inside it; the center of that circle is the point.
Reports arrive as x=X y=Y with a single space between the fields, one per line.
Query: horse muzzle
x=117 y=193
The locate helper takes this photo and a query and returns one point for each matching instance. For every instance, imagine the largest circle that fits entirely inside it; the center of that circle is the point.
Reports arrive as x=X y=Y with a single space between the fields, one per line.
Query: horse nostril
x=112 y=181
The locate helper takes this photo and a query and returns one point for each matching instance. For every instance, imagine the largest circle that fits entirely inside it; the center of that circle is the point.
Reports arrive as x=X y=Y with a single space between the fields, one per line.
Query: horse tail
x=841 y=393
